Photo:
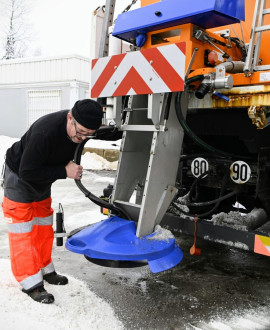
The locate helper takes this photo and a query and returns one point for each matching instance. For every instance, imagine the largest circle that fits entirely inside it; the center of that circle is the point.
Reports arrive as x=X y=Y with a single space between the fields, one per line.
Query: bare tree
x=16 y=34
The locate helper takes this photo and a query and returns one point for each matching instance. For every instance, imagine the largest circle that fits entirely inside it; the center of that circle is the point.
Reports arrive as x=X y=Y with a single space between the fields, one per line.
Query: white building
x=33 y=87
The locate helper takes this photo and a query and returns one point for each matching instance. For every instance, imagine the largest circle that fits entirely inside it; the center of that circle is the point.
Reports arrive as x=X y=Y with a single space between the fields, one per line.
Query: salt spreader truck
x=191 y=97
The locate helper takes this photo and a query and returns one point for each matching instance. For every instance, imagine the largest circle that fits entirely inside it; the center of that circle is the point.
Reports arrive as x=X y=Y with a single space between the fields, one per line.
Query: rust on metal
x=245 y=96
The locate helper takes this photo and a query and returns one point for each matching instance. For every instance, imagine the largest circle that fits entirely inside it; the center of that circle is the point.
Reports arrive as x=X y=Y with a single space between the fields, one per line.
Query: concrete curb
x=110 y=155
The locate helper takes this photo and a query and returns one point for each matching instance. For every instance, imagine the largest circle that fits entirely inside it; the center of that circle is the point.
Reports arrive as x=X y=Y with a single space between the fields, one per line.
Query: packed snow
x=161 y=234
x=237 y=220
x=75 y=307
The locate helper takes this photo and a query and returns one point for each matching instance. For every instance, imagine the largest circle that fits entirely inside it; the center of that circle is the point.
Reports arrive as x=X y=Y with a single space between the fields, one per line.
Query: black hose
x=168 y=106
x=108 y=133
x=194 y=184
x=190 y=133
x=100 y=202
x=219 y=199
x=193 y=79
x=194 y=137
x=215 y=201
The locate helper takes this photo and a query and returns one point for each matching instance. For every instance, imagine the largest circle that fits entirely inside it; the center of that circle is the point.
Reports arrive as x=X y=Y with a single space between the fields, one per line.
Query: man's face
x=77 y=132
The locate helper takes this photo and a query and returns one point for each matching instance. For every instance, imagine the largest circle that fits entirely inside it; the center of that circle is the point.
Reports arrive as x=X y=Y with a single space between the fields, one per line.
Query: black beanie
x=88 y=113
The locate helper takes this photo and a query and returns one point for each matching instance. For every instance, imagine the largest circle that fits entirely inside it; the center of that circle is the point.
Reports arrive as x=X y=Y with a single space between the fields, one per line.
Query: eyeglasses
x=80 y=133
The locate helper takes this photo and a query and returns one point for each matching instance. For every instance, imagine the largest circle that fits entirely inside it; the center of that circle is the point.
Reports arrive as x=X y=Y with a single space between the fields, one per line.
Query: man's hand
x=74 y=171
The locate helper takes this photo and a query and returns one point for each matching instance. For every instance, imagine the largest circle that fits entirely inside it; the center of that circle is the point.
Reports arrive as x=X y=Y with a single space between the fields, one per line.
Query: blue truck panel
x=204 y=13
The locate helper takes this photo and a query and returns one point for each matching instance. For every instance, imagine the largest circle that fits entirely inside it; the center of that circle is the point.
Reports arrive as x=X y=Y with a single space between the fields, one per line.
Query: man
x=43 y=155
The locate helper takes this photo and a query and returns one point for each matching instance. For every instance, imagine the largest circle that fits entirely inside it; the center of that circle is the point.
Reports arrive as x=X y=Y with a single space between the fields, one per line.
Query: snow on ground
x=250 y=320
x=92 y=161
x=92 y=143
x=76 y=307
x=95 y=162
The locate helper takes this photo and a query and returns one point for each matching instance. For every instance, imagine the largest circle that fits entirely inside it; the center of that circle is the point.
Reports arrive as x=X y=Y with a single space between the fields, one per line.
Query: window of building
x=42 y=102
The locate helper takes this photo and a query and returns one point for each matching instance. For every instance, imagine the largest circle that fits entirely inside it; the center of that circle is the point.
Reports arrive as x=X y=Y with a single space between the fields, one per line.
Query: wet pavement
x=222 y=283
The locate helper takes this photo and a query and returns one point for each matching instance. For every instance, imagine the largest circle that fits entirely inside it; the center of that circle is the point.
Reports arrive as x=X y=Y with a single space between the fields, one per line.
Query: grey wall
x=13 y=107
x=13 y=110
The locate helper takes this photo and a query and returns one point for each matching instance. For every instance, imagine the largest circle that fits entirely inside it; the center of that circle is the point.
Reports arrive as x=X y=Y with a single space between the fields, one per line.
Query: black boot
x=54 y=278
x=39 y=294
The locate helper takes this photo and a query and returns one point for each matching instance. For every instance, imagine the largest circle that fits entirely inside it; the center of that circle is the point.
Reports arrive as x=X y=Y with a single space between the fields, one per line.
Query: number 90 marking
x=199 y=166
x=240 y=172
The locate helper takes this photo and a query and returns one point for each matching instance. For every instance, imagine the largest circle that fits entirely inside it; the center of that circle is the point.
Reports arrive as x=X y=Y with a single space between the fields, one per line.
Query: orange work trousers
x=30 y=240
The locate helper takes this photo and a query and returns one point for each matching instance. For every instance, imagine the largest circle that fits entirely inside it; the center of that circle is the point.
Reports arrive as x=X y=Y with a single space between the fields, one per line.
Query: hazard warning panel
x=155 y=70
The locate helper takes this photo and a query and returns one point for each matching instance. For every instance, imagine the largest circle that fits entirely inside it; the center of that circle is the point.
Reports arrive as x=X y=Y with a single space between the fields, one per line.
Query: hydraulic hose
x=216 y=201
x=199 y=77
x=194 y=137
x=219 y=199
x=168 y=105
x=100 y=202
x=190 y=133
x=194 y=184
x=208 y=212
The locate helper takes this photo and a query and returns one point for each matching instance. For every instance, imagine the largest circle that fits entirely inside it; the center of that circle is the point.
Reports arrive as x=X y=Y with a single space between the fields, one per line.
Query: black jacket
x=43 y=152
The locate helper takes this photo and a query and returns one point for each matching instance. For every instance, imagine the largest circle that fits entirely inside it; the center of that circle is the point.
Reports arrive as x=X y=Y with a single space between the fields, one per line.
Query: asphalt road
x=221 y=283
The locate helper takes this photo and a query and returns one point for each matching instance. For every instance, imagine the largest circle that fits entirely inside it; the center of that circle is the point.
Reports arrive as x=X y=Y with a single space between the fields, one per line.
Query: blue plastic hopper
x=115 y=239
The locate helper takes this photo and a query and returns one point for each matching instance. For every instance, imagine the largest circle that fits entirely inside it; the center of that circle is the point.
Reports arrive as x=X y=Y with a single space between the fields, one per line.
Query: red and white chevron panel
x=155 y=70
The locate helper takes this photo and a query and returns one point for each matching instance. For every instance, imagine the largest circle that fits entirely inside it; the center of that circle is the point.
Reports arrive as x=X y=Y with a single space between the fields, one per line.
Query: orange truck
x=192 y=99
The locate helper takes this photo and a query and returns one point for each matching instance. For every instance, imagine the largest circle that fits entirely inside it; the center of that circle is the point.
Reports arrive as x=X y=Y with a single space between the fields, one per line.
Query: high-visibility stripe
x=32 y=281
x=26 y=227
x=262 y=245
x=45 y=221
x=20 y=227
x=181 y=46
x=132 y=80
x=107 y=74
x=137 y=64
x=156 y=70
x=94 y=63
x=48 y=269
x=98 y=66
x=164 y=68
x=165 y=63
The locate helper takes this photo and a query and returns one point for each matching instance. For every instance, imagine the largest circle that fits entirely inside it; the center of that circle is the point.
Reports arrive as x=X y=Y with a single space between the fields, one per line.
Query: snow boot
x=56 y=279
x=39 y=294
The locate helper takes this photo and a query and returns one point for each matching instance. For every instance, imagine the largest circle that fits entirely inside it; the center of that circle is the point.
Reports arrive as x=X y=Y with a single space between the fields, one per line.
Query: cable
x=215 y=201
x=201 y=176
x=219 y=199
x=193 y=79
x=168 y=105
x=100 y=202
